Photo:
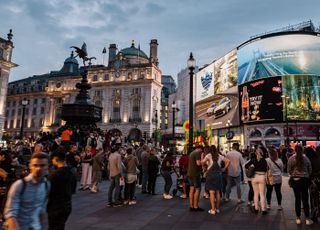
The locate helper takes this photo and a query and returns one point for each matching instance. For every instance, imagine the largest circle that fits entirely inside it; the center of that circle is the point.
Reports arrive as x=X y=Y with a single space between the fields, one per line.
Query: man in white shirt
x=234 y=171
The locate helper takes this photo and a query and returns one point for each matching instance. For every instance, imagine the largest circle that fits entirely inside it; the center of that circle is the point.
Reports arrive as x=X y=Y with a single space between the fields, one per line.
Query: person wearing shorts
x=194 y=178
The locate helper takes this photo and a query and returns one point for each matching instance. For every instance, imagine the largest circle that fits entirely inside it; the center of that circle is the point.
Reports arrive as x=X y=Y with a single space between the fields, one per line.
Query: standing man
x=234 y=171
x=194 y=177
x=27 y=198
x=114 y=167
x=63 y=185
x=144 y=165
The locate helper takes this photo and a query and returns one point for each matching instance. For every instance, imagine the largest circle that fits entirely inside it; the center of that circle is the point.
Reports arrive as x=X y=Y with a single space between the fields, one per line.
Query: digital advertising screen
x=204 y=83
x=261 y=100
x=225 y=72
x=280 y=55
x=217 y=110
x=301 y=97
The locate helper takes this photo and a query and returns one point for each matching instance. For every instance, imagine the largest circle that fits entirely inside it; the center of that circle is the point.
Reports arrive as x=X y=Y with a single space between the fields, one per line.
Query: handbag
x=269 y=177
x=250 y=171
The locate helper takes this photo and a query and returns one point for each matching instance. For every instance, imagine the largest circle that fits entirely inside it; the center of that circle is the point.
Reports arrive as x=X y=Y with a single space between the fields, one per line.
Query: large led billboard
x=278 y=56
x=204 y=83
x=301 y=97
x=217 y=110
x=261 y=101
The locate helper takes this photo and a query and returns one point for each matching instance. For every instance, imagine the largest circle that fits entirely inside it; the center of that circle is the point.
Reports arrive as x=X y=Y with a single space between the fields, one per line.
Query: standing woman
x=259 y=180
x=166 y=168
x=86 y=163
x=314 y=156
x=276 y=166
x=214 y=183
x=153 y=169
x=252 y=157
x=131 y=163
x=299 y=169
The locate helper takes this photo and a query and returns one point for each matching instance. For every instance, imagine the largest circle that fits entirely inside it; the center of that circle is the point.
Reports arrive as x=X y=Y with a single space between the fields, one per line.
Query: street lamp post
x=191 y=65
x=173 y=106
x=228 y=124
x=24 y=103
x=286 y=98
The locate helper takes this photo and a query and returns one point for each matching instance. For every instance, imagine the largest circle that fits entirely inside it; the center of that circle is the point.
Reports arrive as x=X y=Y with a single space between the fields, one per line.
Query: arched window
x=272 y=132
x=106 y=77
x=255 y=133
x=95 y=78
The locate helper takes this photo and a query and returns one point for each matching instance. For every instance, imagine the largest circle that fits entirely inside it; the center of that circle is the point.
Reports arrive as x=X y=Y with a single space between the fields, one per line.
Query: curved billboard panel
x=278 y=56
x=302 y=101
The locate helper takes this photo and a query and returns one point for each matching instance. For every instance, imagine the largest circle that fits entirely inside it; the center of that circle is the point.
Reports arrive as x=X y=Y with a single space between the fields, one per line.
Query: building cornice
x=8 y=63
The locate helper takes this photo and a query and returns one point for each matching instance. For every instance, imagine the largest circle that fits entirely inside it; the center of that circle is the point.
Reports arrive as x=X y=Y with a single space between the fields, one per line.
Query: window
x=25 y=123
x=18 y=123
x=35 y=101
x=32 y=123
x=43 y=100
x=136 y=109
x=8 y=103
x=14 y=103
x=19 y=111
x=11 y=124
x=42 y=110
x=106 y=77
x=6 y=124
x=13 y=112
x=27 y=111
x=1 y=53
x=34 y=111
x=98 y=93
x=116 y=110
x=95 y=78
x=7 y=113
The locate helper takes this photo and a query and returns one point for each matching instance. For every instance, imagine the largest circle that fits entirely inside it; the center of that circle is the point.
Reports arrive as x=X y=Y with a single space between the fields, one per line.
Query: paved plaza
x=153 y=212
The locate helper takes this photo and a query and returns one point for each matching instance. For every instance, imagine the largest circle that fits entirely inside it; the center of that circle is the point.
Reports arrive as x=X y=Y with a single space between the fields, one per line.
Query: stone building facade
x=128 y=89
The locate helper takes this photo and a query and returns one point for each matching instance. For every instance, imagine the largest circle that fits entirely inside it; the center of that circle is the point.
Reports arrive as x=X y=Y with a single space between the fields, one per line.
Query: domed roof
x=71 y=60
x=70 y=65
x=133 y=51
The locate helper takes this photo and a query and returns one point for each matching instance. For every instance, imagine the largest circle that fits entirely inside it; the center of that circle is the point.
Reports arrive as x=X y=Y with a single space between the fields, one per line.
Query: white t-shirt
x=209 y=161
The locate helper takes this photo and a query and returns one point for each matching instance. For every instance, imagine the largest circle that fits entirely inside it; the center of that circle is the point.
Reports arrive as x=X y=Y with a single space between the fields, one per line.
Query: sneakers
x=218 y=211
x=212 y=212
x=132 y=202
x=279 y=207
x=298 y=220
x=226 y=199
x=183 y=196
x=309 y=222
x=268 y=206
x=167 y=196
x=240 y=201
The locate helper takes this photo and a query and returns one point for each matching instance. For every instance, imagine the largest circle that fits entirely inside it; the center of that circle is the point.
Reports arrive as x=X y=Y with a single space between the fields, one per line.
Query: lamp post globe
x=191 y=65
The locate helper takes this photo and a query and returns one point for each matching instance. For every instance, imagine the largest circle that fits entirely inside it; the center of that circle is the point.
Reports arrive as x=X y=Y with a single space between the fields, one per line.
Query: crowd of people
x=49 y=178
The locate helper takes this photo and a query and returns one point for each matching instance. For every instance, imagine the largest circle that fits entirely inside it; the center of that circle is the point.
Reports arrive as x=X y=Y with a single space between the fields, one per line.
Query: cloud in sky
x=44 y=30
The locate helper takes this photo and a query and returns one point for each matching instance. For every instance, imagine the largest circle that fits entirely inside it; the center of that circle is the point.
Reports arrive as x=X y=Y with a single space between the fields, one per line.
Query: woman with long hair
x=299 y=169
x=214 y=183
x=259 y=180
x=314 y=156
x=166 y=169
x=275 y=165
x=86 y=163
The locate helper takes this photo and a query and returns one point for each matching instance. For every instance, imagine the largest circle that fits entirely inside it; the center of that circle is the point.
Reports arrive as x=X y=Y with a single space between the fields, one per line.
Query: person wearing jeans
x=114 y=166
x=234 y=171
x=299 y=169
x=275 y=165
x=166 y=168
x=259 y=180
x=131 y=163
